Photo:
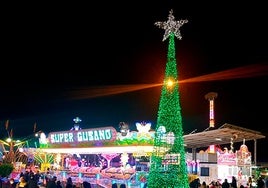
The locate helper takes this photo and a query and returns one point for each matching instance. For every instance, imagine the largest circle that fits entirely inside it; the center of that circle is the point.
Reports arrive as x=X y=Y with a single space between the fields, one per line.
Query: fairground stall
x=217 y=158
x=99 y=155
x=237 y=164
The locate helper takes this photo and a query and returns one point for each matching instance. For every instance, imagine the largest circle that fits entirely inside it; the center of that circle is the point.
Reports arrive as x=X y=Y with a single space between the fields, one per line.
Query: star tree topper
x=171 y=26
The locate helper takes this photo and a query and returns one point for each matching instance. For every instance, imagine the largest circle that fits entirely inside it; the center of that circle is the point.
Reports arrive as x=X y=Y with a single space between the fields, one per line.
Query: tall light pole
x=210 y=97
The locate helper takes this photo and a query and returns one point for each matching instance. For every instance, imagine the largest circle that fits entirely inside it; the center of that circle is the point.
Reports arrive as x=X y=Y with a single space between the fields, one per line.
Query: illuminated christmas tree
x=168 y=165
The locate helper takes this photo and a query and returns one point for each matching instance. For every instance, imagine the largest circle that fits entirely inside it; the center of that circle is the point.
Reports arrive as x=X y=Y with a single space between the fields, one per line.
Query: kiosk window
x=204 y=171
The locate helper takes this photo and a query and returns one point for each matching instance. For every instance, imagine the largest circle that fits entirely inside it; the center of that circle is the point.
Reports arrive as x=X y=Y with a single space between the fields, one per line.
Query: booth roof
x=221 y=136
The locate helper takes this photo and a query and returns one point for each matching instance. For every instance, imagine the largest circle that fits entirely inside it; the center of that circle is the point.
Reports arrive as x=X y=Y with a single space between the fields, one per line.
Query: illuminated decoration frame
x=68 y=141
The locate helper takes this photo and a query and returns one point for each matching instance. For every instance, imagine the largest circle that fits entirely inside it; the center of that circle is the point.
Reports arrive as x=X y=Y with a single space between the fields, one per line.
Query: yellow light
x=170 y=83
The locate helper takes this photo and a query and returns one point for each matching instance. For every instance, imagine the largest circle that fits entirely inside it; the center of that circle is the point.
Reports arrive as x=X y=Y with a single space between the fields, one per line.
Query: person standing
x=11 y=183
x=32 y=183
x=260 y=183
x=225 y=184
x=58 y=183
x=234 y=182
x=1 y=181
x=52 y=182
x=203 y=184
x=114 y=185
x=22 y=183
x=69 y=183
x=195 y=183
x=249 y=183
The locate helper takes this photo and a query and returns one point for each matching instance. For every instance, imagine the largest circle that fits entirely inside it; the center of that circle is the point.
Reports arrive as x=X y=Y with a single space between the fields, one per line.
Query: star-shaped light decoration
x=171 y=26
x=77 y=120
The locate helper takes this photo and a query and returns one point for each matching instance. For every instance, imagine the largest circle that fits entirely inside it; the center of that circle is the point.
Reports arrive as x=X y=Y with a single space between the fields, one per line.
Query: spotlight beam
x=236 y=73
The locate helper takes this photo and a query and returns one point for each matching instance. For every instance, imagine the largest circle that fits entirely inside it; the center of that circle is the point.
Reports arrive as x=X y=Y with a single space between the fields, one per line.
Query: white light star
x=171 y=26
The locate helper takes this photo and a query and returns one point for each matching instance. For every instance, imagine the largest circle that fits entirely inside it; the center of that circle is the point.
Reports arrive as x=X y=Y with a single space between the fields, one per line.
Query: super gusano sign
x=82 y=136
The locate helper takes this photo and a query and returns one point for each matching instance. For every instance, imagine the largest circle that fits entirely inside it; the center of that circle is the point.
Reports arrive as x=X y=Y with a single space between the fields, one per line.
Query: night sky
x=60 y=61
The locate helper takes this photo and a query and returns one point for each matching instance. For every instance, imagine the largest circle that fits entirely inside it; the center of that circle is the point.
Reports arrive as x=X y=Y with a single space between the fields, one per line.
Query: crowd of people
x=29 y=179
x=260 y=183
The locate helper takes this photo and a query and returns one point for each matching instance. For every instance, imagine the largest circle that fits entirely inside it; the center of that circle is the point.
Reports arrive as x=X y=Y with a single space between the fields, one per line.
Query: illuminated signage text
x=84 y=135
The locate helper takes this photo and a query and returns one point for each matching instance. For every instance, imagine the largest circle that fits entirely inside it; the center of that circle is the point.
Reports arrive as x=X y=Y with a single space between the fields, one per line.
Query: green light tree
x=168 y=165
